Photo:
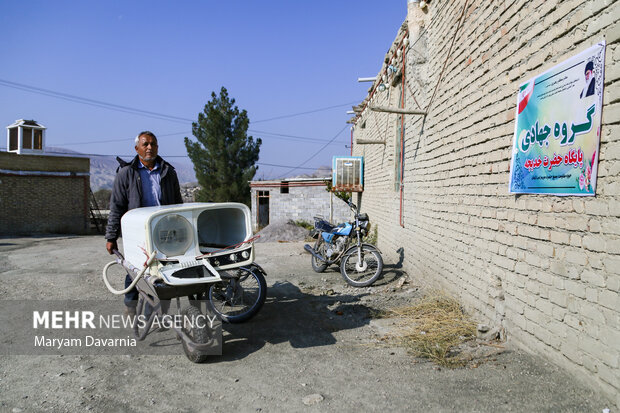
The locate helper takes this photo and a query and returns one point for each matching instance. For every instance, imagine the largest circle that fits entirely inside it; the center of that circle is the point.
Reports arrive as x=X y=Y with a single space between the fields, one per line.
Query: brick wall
x=302 y=202
x=40 y=200
x=545 y=269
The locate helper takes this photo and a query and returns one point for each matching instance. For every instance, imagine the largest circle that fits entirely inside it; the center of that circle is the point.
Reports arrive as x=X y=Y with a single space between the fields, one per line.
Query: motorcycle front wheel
x=239 y=298
x=319 y=248
x=361 y=273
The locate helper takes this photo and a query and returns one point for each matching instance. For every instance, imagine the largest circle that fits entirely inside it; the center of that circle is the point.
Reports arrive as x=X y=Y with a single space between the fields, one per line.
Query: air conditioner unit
x=348 y=173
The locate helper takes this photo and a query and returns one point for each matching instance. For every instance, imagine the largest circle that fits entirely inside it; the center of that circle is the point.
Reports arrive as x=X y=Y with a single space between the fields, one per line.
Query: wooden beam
x=397 y=110
x=368 y=142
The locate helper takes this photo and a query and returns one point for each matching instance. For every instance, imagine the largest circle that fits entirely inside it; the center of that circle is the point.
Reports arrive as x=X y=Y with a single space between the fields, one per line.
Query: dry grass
x=433 y=328
x=303 y=223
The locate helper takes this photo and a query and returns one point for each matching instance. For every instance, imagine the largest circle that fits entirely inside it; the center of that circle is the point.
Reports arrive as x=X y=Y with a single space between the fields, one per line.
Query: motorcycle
x=360 y=263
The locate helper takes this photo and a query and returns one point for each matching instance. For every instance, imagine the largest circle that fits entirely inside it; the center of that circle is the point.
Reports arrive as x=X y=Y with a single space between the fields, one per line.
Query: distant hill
x=321 y=172
x=103 y=168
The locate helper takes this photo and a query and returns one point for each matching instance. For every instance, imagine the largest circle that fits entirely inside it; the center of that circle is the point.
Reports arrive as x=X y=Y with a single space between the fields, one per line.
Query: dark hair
x=589 y=66
x=147 y=133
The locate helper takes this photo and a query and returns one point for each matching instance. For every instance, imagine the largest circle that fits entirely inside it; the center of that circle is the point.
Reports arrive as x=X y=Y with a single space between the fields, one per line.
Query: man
x=147 y=180
x=588 y=89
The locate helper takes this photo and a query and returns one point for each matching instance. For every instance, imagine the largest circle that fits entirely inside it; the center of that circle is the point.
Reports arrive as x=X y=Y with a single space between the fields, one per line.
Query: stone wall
x=302 y=202
x=43 y=194
x=543 y=269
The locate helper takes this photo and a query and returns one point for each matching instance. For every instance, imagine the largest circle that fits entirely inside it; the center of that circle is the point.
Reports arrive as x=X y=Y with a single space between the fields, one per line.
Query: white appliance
x=191 y=242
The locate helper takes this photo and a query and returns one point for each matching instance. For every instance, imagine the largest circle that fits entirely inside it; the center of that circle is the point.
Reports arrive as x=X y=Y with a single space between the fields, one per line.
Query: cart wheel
x=197 y=330
x=238 y=299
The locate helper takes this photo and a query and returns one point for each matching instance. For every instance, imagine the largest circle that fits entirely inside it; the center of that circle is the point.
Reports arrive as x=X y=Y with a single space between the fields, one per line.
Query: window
x=284 y=187
x=263 y=209
x=13 y=139
x=27 y=138
x=38 y=139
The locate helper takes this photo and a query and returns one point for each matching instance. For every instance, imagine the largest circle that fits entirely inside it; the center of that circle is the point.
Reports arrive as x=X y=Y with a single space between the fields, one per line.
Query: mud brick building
x=295 y=199
x=40 y=193
x=544 y=270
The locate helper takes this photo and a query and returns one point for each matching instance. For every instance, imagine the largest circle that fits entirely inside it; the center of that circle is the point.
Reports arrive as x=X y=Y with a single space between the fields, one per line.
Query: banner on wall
x=558 y=127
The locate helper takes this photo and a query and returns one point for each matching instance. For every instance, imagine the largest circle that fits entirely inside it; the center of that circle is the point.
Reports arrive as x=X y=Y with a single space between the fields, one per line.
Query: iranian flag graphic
x=524 y=95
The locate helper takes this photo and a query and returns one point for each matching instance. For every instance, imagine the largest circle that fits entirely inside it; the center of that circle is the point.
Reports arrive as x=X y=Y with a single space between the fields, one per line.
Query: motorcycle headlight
x=365 y=227
x=173 y=235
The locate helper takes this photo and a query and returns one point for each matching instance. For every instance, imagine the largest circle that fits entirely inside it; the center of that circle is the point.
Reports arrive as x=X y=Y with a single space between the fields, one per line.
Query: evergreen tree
x=224 y=157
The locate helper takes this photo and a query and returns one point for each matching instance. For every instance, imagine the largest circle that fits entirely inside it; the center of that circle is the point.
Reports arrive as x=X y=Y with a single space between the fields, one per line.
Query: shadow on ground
x=391 y=272
x=301 y=319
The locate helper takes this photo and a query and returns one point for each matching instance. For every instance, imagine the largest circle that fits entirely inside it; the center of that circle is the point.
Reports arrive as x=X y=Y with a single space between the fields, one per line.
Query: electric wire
x=304 y=138
x=92 y=102
x=430 y=24
x=281 y=136
x=458 y=26
x=136 y=111
x=304 y=113
x=410 y=46
x=316 y=153
x=162 y=116
x=118 y=140
x=101 y=155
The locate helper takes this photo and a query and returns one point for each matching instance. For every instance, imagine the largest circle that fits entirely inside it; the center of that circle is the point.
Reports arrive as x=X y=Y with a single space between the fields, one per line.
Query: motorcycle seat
x=323 y=225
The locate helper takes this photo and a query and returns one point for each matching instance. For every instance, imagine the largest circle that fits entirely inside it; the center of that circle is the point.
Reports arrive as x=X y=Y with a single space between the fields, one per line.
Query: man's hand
x=111 y=246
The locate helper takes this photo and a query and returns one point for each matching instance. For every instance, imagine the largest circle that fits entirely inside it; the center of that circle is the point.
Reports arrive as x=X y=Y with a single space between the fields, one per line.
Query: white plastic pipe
x=135 y=280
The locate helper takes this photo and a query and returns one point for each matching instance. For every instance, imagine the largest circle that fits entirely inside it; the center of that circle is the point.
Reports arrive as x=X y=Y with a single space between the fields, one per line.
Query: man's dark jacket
x=127 y=192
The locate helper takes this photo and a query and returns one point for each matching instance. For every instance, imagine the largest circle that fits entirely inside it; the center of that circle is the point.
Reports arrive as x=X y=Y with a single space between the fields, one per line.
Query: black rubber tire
x=319 y=247
x=198 y=334
x=248 y=292
x=366 y=277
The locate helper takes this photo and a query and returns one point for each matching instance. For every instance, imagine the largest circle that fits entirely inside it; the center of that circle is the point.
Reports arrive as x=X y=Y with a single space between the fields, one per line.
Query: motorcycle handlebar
x=351 y=205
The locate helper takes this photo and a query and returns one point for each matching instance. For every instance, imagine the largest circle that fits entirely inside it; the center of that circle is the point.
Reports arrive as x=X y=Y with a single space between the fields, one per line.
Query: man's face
x=588 y=75
x=147 y=148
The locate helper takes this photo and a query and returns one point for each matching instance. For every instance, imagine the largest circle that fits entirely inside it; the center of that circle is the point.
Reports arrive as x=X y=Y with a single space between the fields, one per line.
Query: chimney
x=25 y=137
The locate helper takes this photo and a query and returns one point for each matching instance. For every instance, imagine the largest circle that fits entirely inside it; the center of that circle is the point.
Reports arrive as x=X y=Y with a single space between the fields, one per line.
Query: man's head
x=146 y=148
x=588 y=71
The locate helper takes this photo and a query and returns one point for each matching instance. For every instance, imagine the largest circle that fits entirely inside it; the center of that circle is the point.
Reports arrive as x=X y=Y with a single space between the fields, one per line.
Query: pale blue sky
x=275 y=58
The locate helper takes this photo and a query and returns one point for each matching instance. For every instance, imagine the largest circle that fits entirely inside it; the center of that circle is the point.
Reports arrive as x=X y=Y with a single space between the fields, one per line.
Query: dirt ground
x=315 y=346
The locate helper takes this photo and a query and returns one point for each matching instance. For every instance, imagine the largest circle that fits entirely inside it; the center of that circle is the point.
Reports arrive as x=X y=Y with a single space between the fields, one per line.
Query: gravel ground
x=282 y=232
x=314 y=346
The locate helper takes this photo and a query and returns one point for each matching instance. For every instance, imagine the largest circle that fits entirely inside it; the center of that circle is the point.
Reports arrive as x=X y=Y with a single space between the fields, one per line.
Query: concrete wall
x=43 y=194
x=302 y=202
x=545 y=269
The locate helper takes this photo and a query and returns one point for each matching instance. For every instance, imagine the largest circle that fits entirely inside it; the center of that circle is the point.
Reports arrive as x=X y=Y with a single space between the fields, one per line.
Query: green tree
x=345 y=196
x=224 y=156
